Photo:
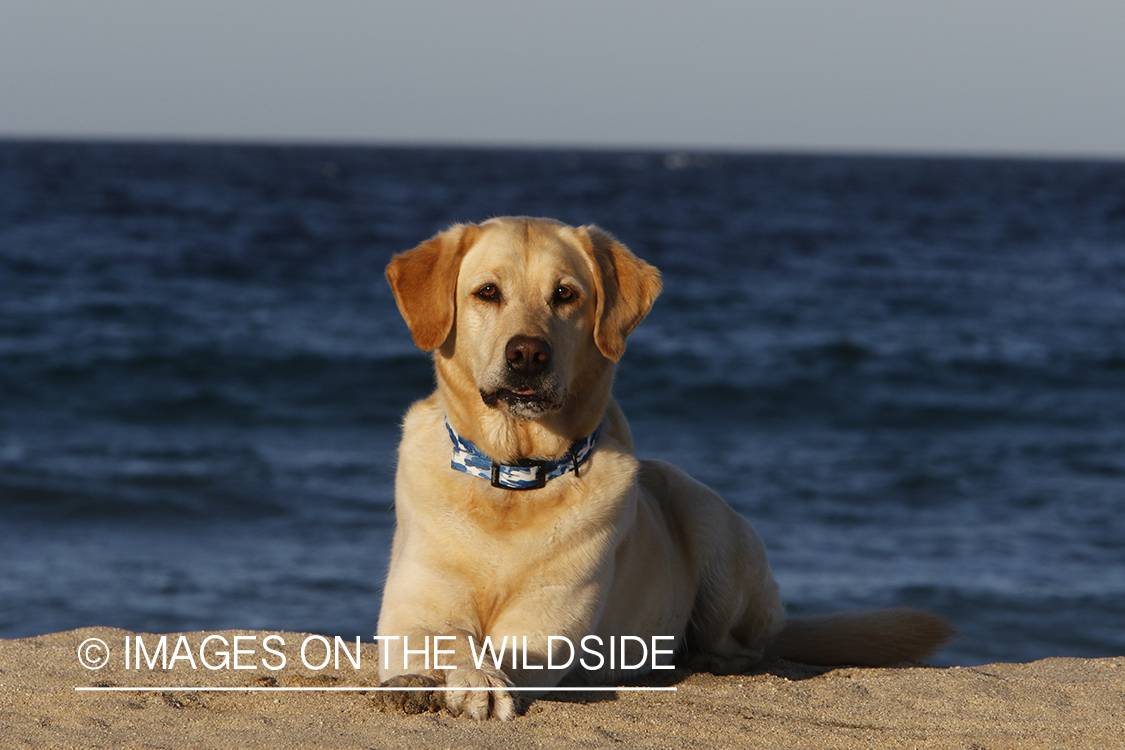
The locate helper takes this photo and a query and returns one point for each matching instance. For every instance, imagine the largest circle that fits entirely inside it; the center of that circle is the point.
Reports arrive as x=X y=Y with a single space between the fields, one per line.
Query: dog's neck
x=505 y=439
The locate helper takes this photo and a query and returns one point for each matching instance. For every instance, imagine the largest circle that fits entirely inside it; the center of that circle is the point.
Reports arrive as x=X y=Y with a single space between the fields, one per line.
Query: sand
x=1054 y=703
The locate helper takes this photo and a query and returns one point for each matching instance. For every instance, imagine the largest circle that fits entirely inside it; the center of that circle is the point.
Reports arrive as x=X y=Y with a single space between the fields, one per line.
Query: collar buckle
x=523 y=463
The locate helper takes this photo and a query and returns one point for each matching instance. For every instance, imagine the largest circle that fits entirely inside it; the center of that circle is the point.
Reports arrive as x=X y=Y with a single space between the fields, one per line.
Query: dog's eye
x=564 y=295
x=488 y=293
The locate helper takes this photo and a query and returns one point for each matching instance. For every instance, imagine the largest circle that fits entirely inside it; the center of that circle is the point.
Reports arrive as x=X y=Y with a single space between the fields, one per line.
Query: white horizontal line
x=367 y=689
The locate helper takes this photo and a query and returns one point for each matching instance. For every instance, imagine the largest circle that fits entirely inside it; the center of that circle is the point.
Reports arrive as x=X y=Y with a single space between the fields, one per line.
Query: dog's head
x=523 y=309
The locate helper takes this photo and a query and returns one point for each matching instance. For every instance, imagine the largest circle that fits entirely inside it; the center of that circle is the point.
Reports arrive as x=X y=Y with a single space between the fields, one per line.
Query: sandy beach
x=1053 y=703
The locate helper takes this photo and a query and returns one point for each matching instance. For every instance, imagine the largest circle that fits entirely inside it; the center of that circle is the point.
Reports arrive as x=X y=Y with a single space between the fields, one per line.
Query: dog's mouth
x=522 y=403
x=517 y=396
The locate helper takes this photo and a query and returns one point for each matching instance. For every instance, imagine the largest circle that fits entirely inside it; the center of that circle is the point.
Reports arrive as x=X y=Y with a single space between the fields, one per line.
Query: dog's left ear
x=626 y=287
x=424 y=282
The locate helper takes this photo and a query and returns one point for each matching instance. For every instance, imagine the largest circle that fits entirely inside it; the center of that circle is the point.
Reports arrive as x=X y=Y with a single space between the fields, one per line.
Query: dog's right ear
x=424 y=282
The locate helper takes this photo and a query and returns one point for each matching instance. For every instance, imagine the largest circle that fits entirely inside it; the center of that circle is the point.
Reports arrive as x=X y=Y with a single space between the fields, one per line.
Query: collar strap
x=525 y=474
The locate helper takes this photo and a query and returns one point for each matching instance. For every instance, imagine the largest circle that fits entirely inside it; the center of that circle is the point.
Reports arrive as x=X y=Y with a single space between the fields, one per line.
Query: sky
x=978 y=77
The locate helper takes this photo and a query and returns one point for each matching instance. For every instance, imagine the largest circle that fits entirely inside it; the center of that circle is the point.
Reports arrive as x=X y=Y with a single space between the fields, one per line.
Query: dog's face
x=522 y=308
x=525 y=300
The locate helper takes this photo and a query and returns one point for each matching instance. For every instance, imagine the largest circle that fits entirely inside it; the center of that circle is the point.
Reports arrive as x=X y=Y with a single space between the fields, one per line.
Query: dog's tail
x=864 y=639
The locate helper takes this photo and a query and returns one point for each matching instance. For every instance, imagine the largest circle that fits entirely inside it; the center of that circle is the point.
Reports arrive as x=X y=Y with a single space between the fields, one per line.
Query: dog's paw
x=412 y=701
x=497 y=703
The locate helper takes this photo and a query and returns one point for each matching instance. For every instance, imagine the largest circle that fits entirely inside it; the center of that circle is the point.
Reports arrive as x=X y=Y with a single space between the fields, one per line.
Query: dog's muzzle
x=528 y=389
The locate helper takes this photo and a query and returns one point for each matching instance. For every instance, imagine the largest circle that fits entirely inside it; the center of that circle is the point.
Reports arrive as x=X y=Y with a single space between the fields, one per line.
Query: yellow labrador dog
x=531 y=545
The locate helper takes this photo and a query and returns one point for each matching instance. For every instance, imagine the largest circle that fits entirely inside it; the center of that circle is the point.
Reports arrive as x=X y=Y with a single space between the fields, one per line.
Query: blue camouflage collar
x=525 y=474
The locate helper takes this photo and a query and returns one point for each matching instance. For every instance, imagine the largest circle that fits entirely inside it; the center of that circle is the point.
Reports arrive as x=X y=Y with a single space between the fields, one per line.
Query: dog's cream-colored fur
x=623 y=546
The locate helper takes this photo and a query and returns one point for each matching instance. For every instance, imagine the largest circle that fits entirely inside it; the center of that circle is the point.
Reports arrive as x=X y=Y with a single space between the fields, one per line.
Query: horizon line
x=641 y=148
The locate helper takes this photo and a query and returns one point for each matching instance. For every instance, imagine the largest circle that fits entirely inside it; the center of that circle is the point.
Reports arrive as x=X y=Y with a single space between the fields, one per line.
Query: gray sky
x=1029 y=77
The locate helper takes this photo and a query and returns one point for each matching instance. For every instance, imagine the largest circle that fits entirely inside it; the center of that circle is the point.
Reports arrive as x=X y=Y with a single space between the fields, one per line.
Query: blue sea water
x=909 y=374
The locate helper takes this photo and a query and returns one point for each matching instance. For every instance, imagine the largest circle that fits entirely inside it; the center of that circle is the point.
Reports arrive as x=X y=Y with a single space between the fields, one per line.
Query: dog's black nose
x=527 y=355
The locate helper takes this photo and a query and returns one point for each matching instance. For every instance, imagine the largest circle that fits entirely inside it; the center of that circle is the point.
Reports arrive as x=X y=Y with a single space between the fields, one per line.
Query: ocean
x=907 y=373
